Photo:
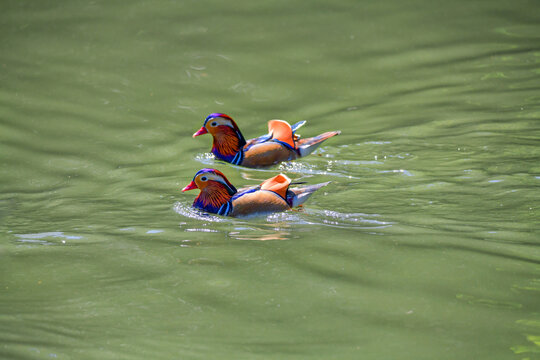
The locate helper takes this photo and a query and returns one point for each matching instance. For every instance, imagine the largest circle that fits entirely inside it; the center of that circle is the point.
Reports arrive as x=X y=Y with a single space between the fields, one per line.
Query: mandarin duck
x=280 y=144
x=218 y=196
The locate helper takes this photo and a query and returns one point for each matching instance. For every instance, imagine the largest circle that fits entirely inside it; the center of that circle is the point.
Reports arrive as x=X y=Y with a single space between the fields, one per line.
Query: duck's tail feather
x=297 y=196
x=308 y=145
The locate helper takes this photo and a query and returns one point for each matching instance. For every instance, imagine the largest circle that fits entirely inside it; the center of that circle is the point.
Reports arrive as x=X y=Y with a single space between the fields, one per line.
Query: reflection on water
x=201 y=230
x=259 y=234
x=46 y=238
x=277 y=226
x=154 y=231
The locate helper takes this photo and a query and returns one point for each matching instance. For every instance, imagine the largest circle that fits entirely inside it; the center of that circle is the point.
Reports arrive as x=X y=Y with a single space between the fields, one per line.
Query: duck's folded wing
x=257 y=140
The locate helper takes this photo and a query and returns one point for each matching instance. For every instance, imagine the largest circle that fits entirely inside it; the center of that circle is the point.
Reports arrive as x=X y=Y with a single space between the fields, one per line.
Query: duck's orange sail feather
x=278 y=184
x=281 y=130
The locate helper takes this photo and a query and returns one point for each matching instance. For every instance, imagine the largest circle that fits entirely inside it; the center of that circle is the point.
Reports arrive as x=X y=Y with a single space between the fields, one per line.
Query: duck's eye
x=204 y=178
x=213 y=123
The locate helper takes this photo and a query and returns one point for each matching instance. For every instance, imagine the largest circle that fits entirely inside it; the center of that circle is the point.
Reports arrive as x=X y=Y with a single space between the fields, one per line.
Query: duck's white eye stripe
x=224 y=122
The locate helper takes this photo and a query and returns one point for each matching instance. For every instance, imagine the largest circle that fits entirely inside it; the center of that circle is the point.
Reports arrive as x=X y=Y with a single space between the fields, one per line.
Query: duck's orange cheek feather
x=219 y=130
x=201 y=185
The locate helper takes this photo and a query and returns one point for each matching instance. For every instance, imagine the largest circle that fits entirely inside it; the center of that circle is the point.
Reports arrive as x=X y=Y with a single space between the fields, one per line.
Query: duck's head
x=216 y=190
x=210 y=179
x=228 y=140
x=217 y=123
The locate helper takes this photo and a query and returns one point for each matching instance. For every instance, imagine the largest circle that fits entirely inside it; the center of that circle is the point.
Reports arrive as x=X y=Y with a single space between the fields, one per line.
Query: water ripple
x=348 y=220
x=40 y=238
x=277 y=226
x=192 y=213
x=206 y=158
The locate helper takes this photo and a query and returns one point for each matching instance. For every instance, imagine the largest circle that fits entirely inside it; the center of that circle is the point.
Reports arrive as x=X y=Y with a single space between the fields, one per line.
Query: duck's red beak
x=190 y=186
x=201 y=131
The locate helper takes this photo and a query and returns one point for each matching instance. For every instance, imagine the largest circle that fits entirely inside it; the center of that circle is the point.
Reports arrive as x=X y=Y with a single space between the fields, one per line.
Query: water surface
x=424 y=246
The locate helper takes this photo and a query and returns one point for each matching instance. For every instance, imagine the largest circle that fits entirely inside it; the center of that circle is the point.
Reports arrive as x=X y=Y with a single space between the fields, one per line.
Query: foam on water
x=190 y=212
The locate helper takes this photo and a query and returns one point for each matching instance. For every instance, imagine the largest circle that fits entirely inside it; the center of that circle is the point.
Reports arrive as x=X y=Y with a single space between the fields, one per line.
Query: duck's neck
x=212 y=198
x=227 y=144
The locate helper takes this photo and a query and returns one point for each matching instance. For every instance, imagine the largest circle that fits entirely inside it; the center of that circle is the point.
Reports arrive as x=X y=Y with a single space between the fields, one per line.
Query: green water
x=424 y=246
